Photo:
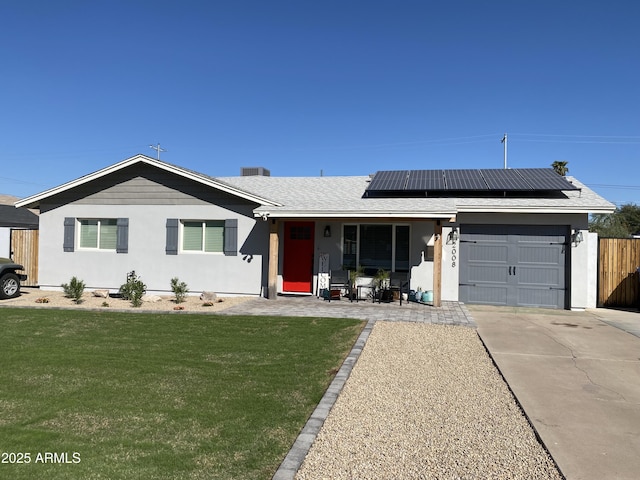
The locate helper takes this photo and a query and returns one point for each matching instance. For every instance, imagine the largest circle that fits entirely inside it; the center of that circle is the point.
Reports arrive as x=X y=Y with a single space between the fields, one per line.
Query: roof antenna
x=157 y=149
x=504 y=141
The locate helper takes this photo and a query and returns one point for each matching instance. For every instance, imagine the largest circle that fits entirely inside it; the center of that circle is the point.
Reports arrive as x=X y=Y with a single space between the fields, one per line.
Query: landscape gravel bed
x=33 y=297
x=426 y=402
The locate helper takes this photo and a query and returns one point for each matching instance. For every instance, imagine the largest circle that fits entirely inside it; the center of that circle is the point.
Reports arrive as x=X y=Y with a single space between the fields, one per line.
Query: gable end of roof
x=34 y=200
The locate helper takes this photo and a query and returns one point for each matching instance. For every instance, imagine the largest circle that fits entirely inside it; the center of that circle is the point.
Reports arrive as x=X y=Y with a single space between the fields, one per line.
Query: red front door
x=297 y=267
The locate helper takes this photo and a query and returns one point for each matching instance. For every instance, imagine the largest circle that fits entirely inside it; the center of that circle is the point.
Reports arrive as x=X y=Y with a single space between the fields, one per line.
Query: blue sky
x=299 y=87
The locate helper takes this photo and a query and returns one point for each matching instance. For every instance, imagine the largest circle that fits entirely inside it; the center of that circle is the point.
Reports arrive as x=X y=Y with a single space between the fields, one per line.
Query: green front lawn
x=119 y=395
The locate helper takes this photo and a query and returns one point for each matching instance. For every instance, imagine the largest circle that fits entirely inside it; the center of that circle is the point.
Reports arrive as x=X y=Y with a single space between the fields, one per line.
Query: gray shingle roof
x=334 y=196
x=342 y=197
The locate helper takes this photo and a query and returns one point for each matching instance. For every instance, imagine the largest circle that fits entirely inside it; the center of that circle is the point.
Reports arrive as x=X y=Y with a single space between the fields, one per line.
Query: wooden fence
x=618 y=283
x=24 y=244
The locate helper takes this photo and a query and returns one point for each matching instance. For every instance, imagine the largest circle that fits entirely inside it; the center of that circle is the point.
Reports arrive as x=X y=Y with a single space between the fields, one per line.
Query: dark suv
x=10 y=278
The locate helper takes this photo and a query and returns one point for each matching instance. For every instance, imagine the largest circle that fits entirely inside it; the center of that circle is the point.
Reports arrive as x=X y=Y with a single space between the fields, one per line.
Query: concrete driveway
x=577 y=377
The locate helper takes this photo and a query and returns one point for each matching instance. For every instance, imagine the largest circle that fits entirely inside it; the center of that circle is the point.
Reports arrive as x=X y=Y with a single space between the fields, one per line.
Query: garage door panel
x=486 y=295
x=549 y=277
x=488 y=253
x=538 y=297
x=537 y=254
x=488 y=273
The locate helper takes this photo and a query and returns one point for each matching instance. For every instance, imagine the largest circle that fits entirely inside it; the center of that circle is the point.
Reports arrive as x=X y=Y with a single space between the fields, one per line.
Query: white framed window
x=376 y=246
x=98 y=233
x=206 y=236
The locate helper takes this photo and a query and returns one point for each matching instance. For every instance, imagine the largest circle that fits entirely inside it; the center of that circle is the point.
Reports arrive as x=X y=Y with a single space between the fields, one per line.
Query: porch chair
x=399 y=282
x=339 y=280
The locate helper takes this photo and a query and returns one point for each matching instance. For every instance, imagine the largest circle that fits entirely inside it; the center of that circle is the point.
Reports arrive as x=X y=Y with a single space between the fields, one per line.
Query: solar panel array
x=425 y=180
x=516 y=180
x=389 y=180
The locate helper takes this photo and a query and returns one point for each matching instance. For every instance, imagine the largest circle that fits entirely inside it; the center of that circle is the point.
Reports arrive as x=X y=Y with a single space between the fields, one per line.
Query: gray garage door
x=514 y=265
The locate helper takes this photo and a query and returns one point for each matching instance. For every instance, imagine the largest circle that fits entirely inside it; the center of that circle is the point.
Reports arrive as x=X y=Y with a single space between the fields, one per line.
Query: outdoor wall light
x=577 y=238
x=327 y=231
x=453 y=235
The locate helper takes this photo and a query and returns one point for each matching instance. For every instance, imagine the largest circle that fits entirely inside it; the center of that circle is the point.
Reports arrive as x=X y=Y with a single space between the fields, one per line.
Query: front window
x=376 y=243
x=350 y=247
x=98 y=233
x=203 y=236
x=375 y=247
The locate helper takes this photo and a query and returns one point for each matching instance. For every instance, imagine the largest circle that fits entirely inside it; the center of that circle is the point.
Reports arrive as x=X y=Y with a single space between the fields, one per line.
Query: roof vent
x=253 y=171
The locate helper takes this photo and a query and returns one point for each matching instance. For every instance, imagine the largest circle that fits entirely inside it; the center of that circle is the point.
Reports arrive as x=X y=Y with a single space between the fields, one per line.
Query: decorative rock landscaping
x=34 y=297
x=425 y=401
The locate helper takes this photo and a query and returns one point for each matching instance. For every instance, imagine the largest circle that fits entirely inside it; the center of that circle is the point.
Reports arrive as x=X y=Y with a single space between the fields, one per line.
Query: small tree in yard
x=134 y=289
x=74 y=289
x=179 y=289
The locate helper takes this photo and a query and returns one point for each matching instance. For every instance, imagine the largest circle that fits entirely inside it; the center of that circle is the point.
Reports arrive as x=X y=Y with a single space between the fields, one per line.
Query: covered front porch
x=304 y=251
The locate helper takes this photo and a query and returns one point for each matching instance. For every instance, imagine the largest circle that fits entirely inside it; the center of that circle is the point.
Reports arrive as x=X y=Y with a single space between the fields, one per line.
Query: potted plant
x=353 y=281
x=381 y=281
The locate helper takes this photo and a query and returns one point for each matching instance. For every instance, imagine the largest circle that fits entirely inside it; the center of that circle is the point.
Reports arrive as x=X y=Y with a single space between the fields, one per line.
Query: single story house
x=505 y=237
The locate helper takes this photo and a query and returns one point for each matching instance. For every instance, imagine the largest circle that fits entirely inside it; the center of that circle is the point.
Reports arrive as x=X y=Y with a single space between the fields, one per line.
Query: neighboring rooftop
x=8 y=199
x=11 y=216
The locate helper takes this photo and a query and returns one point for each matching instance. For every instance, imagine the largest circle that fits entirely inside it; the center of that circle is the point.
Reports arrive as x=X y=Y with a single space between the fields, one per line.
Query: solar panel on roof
x=426 y=180
x=512 y=180
x=500 y=179
x=545 y=179
x=464 y=180
x=389 y=180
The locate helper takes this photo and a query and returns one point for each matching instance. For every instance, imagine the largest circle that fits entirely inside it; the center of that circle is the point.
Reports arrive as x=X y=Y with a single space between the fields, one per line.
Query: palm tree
x=560 y=167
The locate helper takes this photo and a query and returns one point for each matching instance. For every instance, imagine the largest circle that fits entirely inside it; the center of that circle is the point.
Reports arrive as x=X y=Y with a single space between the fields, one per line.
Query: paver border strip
x=293 y=461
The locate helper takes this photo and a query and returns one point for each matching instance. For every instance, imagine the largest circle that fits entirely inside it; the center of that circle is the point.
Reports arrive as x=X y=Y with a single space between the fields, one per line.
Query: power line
x=624 y=187
x=623 y=142
x=564 y=138
x=575 y=136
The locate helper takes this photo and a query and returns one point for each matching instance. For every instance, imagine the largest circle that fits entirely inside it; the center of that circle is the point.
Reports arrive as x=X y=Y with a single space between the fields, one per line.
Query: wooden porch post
x=437 y=265
x=272 y=293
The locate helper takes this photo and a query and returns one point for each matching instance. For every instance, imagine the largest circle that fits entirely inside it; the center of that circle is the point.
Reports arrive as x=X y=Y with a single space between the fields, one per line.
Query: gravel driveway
x=426 y=402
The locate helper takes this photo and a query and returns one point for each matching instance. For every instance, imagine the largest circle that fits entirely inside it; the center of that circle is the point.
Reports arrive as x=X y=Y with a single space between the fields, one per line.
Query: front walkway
x=451 y=313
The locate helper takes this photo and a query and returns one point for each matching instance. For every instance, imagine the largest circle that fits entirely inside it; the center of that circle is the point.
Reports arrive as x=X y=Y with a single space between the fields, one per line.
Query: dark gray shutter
x=122 y=235
x=172 y=236
x=231 y=236
x=69 y=234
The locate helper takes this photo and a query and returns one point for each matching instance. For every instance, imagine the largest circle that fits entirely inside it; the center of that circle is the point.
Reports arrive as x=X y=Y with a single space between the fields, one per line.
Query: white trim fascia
x=534 y=210
x=34 y=199
x=316 y=214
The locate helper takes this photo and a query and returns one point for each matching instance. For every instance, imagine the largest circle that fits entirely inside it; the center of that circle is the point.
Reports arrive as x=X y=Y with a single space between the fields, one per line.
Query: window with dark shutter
x=172 y=236
x=231 y=236
x=122 y=235
x=69 y=234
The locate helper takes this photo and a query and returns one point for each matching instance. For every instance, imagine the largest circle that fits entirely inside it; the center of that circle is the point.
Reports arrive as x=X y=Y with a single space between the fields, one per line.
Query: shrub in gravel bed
x=74 y=289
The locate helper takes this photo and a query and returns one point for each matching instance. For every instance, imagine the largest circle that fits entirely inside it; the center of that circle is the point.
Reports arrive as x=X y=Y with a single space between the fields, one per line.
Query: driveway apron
x=577 y=377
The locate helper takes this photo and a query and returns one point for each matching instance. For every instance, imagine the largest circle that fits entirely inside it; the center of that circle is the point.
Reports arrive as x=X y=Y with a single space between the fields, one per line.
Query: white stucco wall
x=241 y=274
x=450 y=264
x=5 y=242
x=591 y=240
